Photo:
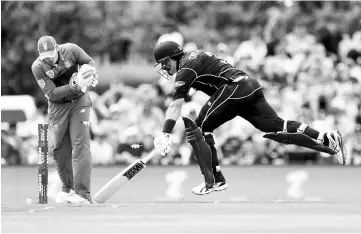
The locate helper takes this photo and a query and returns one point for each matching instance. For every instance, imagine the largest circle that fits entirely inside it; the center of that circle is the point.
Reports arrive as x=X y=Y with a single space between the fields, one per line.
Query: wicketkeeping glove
x=162 y=143
x=87 y=76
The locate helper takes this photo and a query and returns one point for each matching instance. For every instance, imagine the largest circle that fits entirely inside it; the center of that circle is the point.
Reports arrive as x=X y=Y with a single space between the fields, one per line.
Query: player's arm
x=172 y=114
x=182 y=87
x=81 y=56
x=48 y=87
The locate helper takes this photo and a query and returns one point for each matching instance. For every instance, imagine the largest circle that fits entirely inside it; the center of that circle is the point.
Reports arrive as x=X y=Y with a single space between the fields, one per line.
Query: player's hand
x=95 y=79
x=86 y=76
x=162 y=143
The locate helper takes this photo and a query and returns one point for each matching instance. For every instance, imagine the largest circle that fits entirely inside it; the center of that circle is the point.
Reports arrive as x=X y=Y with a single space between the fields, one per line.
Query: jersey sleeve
x=48 y=87
x=81 y=56
x=183 y=82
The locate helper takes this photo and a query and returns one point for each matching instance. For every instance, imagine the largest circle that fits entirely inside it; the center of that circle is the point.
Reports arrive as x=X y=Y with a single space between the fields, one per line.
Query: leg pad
x=201 y=150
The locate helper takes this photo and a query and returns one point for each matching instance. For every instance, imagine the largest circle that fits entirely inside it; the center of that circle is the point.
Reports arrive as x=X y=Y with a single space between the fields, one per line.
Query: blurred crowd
x=313 y=77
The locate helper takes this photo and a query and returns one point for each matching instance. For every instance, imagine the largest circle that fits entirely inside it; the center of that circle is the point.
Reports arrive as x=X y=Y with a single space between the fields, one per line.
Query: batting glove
x=162 y=143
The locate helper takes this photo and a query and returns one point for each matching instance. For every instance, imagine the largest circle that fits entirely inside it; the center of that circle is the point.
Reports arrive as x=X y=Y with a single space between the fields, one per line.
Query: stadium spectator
x=223 y=53
x=299 y=41
x=171 y=33
x=250 y=54
x=102 y=150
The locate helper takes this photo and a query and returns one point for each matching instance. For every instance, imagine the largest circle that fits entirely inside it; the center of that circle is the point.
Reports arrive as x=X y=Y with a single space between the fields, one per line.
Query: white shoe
x=62 y=196
x=202 y=189
x=220 y=186
x=76 y=199
x=336 y=144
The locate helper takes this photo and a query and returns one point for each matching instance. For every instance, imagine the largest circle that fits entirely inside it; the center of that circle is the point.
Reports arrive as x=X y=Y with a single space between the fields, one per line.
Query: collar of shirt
x=60 y=60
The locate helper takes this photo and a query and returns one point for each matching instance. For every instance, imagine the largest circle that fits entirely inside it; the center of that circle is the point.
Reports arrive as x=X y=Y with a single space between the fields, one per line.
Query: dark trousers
x=245 y=99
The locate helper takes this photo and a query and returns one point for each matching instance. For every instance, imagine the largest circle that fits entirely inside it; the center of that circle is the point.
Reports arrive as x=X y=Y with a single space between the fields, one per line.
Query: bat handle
x=149 y=156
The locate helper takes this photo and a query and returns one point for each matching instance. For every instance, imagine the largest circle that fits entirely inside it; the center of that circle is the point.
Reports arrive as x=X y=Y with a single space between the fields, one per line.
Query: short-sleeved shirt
x=205 y=72
x=48 y=77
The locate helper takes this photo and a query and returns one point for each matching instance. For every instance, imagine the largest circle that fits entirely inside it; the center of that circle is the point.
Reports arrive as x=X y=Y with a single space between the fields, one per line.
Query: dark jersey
x=203 y=71
x=50 y=77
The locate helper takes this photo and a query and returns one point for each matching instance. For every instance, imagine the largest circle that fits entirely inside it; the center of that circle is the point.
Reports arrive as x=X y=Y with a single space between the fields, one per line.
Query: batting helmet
x=167 y=49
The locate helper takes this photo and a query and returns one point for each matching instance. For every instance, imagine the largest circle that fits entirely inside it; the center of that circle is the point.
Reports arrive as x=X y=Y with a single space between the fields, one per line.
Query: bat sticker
x=134 y=170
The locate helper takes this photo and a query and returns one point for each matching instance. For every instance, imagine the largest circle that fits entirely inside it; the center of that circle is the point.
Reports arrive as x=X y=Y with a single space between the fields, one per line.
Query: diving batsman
x=64 y=72
x=232 y=93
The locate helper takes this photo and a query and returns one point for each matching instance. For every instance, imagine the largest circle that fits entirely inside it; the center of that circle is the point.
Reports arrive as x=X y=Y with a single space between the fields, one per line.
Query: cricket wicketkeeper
x=232 y=93
x=57 y=72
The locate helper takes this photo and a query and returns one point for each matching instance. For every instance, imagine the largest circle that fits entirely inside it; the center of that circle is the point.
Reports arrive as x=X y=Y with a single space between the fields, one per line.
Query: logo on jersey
x=56 y=128
x=41 y=83
x=45 y=46
x=50 y=73
x=179 y=83
x=67 y=64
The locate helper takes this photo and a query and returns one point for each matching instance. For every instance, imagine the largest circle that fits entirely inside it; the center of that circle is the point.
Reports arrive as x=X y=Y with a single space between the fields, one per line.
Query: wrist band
x=169 y=125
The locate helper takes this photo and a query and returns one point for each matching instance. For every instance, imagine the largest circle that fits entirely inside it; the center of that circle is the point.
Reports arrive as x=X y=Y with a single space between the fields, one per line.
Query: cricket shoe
x=62 y=196
x=76 y=199
x=336 y=144
x=202 y=189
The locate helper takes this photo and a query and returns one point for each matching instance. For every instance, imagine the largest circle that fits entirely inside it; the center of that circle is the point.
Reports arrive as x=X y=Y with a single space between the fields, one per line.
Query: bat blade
x=121 y=179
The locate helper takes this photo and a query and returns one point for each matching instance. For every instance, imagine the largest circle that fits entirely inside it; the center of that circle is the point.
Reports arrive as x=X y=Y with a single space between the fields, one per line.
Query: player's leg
x=220 y=181
x=261 y=115
x=213 y=114
x=203 y=154
x=62 y=153
x=80 y=138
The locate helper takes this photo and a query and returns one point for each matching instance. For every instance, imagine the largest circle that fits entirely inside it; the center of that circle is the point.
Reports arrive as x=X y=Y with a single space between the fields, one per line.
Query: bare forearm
x=172 y=115
x=173 y=112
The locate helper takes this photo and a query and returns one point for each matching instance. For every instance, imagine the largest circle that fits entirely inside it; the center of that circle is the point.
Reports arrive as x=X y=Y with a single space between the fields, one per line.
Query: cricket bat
x=122 y=178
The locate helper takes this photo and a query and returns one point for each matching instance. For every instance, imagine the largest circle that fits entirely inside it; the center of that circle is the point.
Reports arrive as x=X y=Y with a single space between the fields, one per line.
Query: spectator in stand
x=171 y=33
x=317 y=72
x=10 y=147
x=353 y=61
x=223 y=53
x=129 y=147
x=329 y=35
x=149 y=117
x=190 y=46
x=280 y=68
x=299 y=41
x=274 y=30
x=102 y=150
x=250 y=54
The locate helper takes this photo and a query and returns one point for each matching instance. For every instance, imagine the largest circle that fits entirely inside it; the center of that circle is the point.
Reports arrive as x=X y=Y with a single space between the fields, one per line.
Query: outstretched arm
x=162 y=142
x=173 y=113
